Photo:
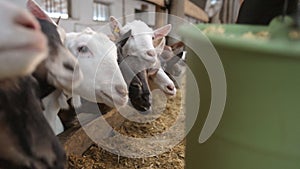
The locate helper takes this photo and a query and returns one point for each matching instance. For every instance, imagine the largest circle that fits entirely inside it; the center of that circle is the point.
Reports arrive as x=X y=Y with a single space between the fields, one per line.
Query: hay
x=219 y=30
x=97 y=158
x=216 y=30
x=262 y=35
x=294 y=34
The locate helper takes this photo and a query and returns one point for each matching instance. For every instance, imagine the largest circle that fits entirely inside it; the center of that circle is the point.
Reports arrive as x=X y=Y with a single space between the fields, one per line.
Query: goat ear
x=88 y=30
x=167 y=53
x=160 y=48
x=124 y=38
x=37 y=11
x=168 y=48
x=62 y=33
x=177 y=45
x=71 y=35
x=162 y=31
x=69 y=38
x=58 y=19
x=156 y=42
x=115 y=26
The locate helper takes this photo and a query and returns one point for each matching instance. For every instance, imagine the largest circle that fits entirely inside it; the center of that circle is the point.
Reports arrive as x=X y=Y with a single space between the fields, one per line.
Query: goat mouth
x=144 y=110
x=151 y=59
x=106 y=96
x=140 y=107
x=169 y=93
x=60 y=82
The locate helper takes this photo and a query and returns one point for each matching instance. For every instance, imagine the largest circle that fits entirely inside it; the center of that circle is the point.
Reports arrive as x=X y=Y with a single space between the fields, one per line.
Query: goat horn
x=57 y=22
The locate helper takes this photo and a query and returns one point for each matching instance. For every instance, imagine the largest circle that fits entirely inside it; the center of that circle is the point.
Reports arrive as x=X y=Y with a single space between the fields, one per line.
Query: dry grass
x=97 y=158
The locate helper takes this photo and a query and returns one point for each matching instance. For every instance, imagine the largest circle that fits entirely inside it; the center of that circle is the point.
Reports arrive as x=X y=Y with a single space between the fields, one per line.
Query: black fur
x=27 y=139
x=139 y=91
x=53 y=37
x=54 y=41
x=22 y=117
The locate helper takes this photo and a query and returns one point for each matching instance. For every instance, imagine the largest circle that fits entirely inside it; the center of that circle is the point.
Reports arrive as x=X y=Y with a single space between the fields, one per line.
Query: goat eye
x=83 y=49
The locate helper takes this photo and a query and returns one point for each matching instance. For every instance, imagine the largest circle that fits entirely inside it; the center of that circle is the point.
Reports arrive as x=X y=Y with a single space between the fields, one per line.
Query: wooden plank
x=193 y=10
x=157 y=2
x=160 y=19
x=190 y=9
x=176 y=9
x=75 y=140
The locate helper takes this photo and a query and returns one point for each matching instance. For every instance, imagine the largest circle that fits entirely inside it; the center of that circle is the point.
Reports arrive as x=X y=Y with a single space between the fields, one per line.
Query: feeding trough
x=259 y=127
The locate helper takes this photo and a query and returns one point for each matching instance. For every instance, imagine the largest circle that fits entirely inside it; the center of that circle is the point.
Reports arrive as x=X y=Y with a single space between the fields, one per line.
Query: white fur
x=52 y=107
x=102 y=76
x=178 y=68
x=140 y=43
x=99 y=66
x=162 y=81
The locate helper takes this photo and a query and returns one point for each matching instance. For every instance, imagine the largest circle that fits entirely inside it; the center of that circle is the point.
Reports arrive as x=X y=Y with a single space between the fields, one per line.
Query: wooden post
x=176 y=8
x=123 y=12
x=160 y=18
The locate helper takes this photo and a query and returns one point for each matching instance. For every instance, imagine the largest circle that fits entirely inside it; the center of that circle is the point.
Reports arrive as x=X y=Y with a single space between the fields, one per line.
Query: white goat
x=162 y=81
x=173 y=59
x=173 y=63
x=159 y=79
x=103 y=81
x=140 y=42
x=139 y=91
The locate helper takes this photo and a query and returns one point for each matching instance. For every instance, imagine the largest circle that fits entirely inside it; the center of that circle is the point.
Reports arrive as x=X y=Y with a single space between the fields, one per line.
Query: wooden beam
x=190 y=9
x=75 y=140
x=160 y=18
x=193 y=10
x=157 y=2
x=176 y=9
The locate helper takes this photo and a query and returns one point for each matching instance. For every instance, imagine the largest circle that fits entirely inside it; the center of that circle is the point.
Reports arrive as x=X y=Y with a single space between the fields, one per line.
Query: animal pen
x=116 y=84
x=80 y=139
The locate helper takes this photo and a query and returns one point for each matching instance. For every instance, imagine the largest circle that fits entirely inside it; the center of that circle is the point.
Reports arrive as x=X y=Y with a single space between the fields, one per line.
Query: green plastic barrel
x=260 y=126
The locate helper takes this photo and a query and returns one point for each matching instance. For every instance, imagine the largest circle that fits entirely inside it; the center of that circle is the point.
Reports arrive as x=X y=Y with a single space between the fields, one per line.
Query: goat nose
x=122 y=90
x=68 y=66
x=151 y=53
x=170 y=87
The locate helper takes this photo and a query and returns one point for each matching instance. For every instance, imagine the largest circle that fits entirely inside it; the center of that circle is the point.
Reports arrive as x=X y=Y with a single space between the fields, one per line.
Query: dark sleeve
x=261 y=12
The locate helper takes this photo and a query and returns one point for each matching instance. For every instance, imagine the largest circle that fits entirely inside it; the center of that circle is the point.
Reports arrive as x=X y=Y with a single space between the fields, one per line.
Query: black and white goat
x=26 y=139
